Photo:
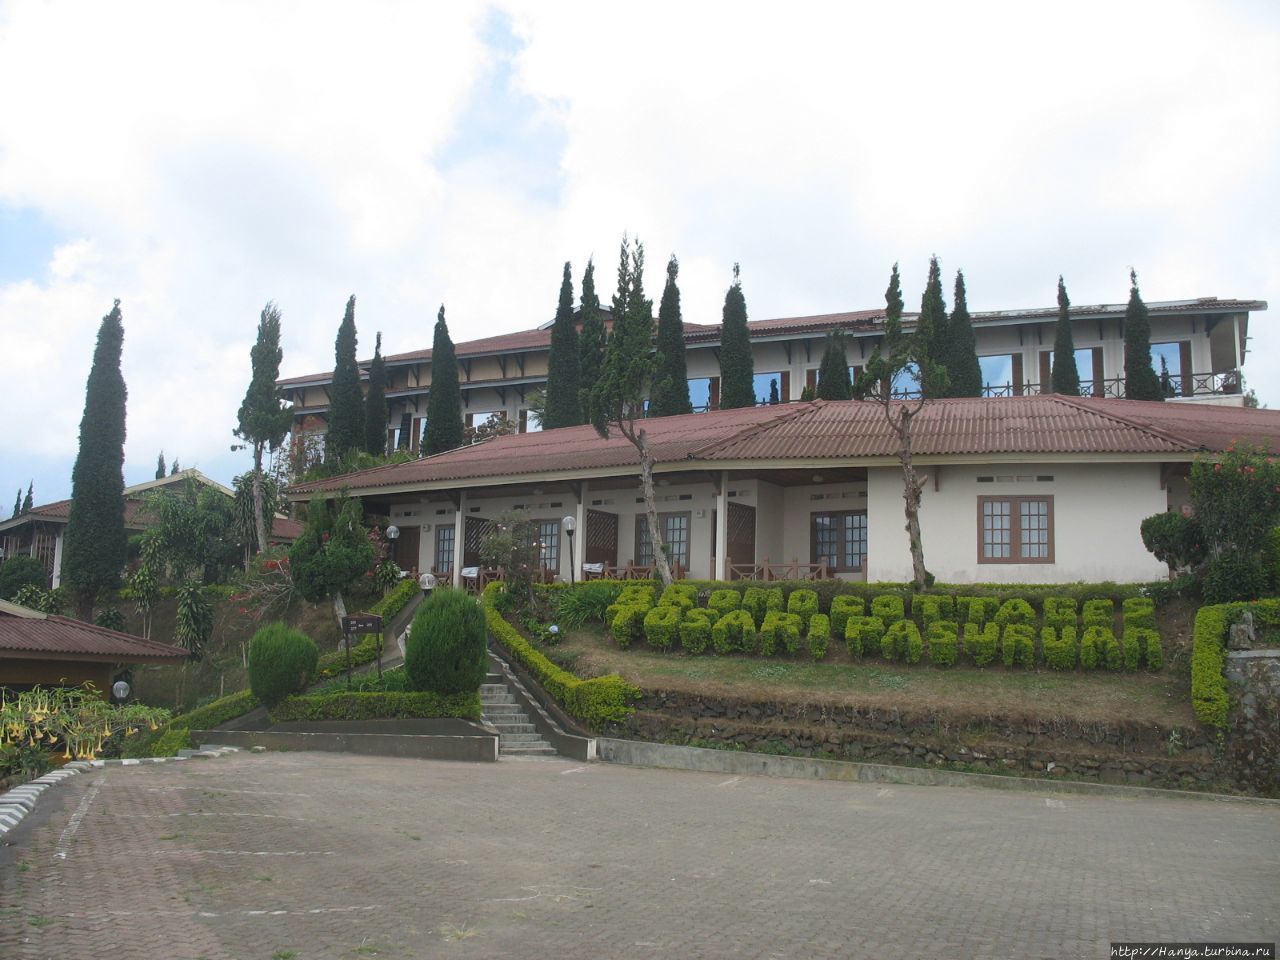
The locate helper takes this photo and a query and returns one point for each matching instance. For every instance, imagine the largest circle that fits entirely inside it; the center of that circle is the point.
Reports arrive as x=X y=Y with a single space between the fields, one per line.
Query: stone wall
x=1110 y=753
x=1253 y=741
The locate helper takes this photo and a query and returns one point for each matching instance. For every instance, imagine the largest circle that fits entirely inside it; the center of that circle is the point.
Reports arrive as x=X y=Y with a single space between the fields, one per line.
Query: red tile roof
x=25 y=634
x=846 y=431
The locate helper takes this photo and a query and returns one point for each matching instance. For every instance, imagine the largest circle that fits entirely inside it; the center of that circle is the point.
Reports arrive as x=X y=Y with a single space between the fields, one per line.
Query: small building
x=39 y=531
x=1042 y=489
x=38 y=648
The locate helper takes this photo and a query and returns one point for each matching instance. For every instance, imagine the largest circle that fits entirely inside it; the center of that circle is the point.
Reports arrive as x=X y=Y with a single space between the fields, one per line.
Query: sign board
x=361 y=623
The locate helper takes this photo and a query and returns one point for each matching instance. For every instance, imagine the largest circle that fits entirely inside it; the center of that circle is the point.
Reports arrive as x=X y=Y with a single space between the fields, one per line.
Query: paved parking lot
x=329 y=856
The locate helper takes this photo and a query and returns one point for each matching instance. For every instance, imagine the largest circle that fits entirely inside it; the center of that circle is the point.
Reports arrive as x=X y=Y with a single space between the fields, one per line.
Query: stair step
x=507 y=728
x=502 y=709
x=494 y=688
x=542 y=750
x=533 y=737
x=498 y=700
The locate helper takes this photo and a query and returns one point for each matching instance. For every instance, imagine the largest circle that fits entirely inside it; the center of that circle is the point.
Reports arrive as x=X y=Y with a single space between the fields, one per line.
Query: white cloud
x=199 y=160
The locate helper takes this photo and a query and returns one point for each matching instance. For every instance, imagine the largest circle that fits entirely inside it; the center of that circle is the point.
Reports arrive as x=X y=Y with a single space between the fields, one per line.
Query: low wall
x=479 y=746
x=1108 y=753
x=1253 y=741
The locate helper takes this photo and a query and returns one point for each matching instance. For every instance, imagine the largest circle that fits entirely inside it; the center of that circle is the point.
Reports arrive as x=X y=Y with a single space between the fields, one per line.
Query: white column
x=1235 y=340
x=57 y=559
x=722 y=528
x=580 y=535
x=459 y=531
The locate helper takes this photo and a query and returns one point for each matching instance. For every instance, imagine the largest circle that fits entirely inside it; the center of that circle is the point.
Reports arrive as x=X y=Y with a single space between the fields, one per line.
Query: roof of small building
x=843 y=431
x=29 y=633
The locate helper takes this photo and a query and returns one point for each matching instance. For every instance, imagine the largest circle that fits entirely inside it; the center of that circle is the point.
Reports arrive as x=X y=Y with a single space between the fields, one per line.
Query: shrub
x=1059 y=646
x=734 y=631
x=20 y=571
x=844 y=606
x=1209 y=697
x=595 y=702
x=1099 y=613
x=682 y=595
x=1139 y=612
x=640 y=594
x=627 y=622
x=976 y=610
x=1017 y=612
x=780 y=631
x=862 y=634
x=282 y=661
x=981 y=642
x=902 y=641
x=370 y=646
x=661 y=626
x=819 y=635
x=168 y=743
x=889 y=607
x=1175 y=539
x=1152 y=651
x=345 y=705
x=804 y=604
x=724 y=601
x=1236 y=497
x=943 y=642
x=695 y=629
x=1235 y=576
x=1112 y=652
x=1091 y=648
x=445 y=649
x=586 y=602
x=760 y=600
x=933 y=607
x=1018 y=645
x=1131 y=648
x=1060 y=612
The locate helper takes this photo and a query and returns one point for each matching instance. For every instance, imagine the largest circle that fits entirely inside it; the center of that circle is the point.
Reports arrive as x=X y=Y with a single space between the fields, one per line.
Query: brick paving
x=294 y=855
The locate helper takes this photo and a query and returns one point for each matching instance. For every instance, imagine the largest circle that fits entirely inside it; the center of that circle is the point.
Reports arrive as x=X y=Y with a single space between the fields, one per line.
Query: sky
x=198 y=159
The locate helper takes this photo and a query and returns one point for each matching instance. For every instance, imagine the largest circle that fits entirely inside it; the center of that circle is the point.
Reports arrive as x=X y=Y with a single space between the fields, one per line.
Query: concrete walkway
x=333 y=856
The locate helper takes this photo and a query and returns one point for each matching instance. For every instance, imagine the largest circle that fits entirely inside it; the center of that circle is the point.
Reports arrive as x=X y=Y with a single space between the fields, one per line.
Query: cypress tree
x=346 y=402
x=591 y=343
x=444 y=402
x=774 y=399
x=564 y=407
x=833 y=374
x=737 y=368
x=175 y=469
x=160 y=467
x=95 y=546
x=263 y=419
x=1140 y=380
x=671 y=375
x=893 y=336
x=29 y=502
x=962 y=349
x=375 y=404
x=1066 y=378
x=931 y=329
x=17 y=503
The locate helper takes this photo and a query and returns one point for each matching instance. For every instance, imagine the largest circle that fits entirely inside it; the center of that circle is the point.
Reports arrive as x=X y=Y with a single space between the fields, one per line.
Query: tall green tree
x=564 y=406
x=737 y=368
x=1066 y=378
x=931 y=329
x=175 y=469
x=1140 y=380
x=95 y=546
x=160 y=467
x=894 y=338
x=963 y=370
x=29 y=501
x=833 y=374
x=17 y=503
x=444 y=402
x=264 y=420
x=671 y=376
x=591 y=342
x=375 y=404
x=618 y=397
x=346 y=401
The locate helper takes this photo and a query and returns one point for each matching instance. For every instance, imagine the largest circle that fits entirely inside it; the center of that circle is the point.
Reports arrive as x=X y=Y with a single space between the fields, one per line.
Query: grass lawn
x=1162 y=698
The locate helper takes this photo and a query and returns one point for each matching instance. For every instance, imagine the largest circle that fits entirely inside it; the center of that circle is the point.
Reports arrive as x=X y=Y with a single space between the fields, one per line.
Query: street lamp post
x=570 y=525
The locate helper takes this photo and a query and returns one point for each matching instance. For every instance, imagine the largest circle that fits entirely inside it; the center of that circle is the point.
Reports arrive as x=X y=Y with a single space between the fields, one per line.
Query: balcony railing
x=1224 y=383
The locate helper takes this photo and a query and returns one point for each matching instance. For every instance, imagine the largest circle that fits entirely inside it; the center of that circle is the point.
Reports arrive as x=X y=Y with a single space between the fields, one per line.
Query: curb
x=20 y=801
x=643 y=753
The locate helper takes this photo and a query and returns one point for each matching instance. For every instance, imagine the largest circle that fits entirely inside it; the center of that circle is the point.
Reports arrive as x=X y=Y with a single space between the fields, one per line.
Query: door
x=405 y=550
x=741 y=533
x=472 y=533
x=600 y=545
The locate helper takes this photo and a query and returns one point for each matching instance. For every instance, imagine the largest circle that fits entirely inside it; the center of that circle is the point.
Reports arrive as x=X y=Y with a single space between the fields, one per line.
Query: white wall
x=1097 y=510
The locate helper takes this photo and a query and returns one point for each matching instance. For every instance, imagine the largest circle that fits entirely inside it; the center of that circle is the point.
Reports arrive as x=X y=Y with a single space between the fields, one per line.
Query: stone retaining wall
x=1253 y=746
x=1109 y=753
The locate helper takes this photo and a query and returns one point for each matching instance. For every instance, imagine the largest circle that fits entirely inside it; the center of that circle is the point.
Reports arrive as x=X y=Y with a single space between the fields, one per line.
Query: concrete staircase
x=517 y=737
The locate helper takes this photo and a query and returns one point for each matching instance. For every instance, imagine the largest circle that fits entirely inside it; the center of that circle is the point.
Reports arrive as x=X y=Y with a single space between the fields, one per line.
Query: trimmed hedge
x=844 y=606
x=1139 y=612
x=819 y=635
x=981 y=642
x=944 y=642
x=1099 y=613
x=627 y=624
x=445 y=650
x=1209 y=697
x=376 y=706
x=662 y=625
x=1059 y=647
x=695 y=629
x=780 y=631
x=724 y=601
x=804 y=604
x=758 y=601
x=1094 y=645
x=736 y=630
x=1061 y=612
x=1018 y=645
x=976 y=610
x=596 y=701
x=889 y=607
x=1017 y=612
x=863 y=635
x=680 y=595
x=933 y=607
x=902 y=641
x=216 y=713
x=282 y=662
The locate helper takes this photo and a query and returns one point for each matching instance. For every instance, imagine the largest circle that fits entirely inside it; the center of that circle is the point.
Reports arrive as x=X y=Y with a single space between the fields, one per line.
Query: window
x=1001 y=375
x=549 y=544
x=675 y=533
x=444 y=548
x=767 y=386
x=1173 y=360
x=704 y=393
x=840 y=539
x=1015 y=529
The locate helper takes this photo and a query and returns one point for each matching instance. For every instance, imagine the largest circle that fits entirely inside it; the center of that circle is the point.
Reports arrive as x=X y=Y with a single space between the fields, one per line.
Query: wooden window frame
x=1015 y=527
x=642 y=524
x=813 y=538
x=441 y=530
x=553 y=528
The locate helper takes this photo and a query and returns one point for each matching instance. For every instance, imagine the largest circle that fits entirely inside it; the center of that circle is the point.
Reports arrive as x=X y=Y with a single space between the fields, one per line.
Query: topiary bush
x=804 y=604
x=734 y=631
x=1094 y=644
x=932 y=607
x=844 y=606
x=627 y=622
x=902 y=641
x=1059 y=646
x=445 y=649
x=695 y=629
x=662 y=626
x=1015 y=612
x=1139 y=612
x=944 y=642
x=976 y=610
x=981 y=642
x=760 y=600
x=724 y=601
x=1099 y=613
x=1060 y=612
x=1018 y=645
x=889 y=607
x=1131 y=649
x=818 y=636
x=282 y=661
x=682 y=595
x=863 y=635
x=780 y=631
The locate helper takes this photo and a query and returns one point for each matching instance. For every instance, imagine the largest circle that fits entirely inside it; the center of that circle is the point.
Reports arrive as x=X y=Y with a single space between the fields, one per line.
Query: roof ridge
x=803 y=407
x=1126 y=421
x=158 y=645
